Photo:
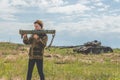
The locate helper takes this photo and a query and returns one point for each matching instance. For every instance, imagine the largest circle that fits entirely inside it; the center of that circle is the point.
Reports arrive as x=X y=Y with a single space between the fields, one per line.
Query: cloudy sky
x=76 y=21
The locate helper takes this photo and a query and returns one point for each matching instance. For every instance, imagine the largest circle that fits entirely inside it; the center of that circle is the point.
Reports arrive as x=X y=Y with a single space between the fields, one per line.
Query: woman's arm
x=27 y=40
x=42 y=41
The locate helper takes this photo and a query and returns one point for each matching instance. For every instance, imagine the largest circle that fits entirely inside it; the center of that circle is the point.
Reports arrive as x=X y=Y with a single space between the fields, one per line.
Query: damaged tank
x=94 y=47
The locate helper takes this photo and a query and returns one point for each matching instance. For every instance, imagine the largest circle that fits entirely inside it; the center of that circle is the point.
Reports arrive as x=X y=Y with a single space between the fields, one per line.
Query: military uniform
x=36 y=54
x=36 y=50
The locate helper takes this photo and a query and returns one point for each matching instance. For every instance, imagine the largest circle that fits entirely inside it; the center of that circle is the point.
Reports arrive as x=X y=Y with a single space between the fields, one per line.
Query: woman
x=38 y=43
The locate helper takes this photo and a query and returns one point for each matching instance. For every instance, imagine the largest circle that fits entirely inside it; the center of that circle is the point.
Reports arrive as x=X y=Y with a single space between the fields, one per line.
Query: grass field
x=59 y=64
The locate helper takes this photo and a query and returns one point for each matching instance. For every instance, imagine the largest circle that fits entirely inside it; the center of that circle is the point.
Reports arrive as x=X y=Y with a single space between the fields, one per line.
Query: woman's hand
x=35 y=36
x=24 y=35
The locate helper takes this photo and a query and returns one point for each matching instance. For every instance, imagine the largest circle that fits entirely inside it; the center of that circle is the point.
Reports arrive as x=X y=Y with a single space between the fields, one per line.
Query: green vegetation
x=59 y=64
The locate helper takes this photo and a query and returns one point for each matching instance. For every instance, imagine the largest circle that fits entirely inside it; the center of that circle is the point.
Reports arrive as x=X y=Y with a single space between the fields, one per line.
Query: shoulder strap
x=53 y=36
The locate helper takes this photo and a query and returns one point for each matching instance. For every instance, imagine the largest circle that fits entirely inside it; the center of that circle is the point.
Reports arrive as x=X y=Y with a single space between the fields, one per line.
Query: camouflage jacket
x=36 y=50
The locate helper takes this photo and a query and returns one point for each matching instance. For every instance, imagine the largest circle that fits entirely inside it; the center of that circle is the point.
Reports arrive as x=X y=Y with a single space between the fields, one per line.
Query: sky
x=75 y=21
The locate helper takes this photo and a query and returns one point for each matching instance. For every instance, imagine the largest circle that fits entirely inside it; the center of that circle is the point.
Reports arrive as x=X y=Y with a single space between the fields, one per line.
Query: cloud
x=117 y=0
x=19 y=3
x=69 y=9
x=6 y=10
x=37 y=3
x=102 y=24
x=100 y=5
x=9 y=8
x=11 y=28
x=52 y=6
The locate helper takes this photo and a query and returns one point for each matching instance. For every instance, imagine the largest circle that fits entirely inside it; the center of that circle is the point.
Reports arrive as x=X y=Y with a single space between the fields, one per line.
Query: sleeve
x=42 y=41
x=27 y=40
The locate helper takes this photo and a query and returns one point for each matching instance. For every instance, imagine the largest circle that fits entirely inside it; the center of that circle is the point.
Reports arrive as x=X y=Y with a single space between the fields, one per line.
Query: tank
x=94 y=47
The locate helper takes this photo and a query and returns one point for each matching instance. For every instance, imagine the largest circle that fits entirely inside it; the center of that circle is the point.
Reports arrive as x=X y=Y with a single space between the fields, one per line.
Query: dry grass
x=60 y=64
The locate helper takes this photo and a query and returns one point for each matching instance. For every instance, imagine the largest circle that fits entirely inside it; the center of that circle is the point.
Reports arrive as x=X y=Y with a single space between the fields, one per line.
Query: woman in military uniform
x=38 y=43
